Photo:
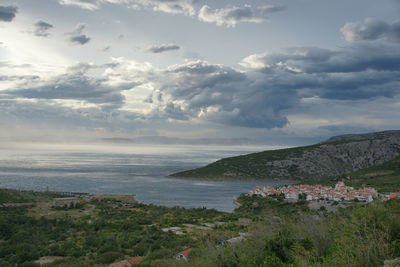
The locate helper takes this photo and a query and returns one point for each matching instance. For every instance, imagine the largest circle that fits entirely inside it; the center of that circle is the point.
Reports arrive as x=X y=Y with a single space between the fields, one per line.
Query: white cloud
x=86 y=4
x=230 y=16
x=170 y=6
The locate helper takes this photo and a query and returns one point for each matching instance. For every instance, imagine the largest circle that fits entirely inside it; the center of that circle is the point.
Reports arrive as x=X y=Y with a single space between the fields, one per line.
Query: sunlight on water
x=139 y=169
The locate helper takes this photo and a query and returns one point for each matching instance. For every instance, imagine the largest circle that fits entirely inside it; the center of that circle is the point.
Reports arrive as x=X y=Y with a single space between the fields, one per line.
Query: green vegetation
x=285 y=234
x=251 y=166
x=15 y=196
x=384 y=177
x=276 y=233
x=111 y=232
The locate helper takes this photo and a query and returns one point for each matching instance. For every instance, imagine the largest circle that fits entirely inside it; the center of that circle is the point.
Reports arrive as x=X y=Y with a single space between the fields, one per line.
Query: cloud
x=80 y=39
x=48 y=115
x=230 y=16
x=41 y=28
x=168 y=6
x=356 y=72
x=77 y=36
x=371 y=29
x=86 y=4
x=356 y=58
x=76 y=84
x=267 y=94
x=7 y=13
x=106 y=48
x=215 y=93
x=162 y=48
x=185 y=7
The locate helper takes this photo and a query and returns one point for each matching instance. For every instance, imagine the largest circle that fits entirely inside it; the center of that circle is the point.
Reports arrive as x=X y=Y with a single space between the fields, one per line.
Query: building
x=66 y=201
x=184 y=254
x=315 y=192
x=394 y=195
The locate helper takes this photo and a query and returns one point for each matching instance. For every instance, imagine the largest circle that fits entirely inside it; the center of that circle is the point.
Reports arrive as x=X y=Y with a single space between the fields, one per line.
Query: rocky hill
x=339 y=155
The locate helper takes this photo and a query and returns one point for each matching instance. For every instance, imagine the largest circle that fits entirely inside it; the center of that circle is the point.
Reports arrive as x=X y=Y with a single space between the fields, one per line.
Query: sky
x=279 y=71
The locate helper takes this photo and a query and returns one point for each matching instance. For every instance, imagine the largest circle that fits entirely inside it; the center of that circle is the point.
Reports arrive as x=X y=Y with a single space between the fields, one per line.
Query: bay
x=124 y=169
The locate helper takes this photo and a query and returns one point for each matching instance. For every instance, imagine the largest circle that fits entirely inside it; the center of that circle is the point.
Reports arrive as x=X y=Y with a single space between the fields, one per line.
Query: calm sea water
x=138 y=169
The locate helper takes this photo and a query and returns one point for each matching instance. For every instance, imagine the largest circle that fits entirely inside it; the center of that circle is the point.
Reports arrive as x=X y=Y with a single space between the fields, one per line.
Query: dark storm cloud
x=77 y=36
x=261 y=98
x=163 y=48
x=272 y=86
x=41 y=28
x=356 y=72
x=198 y=90
x=356 y=58
x=371 y=29
x=7 y=13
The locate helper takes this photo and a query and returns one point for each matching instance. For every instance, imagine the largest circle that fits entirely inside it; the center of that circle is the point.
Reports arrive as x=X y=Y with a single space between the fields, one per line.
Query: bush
x=109 y=257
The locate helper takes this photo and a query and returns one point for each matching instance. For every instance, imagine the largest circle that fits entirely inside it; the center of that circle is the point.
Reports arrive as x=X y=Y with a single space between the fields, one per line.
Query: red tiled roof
x=186 y=252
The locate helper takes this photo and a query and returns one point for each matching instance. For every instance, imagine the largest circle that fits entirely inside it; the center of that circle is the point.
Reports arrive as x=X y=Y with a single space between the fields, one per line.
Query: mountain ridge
x=336 y=156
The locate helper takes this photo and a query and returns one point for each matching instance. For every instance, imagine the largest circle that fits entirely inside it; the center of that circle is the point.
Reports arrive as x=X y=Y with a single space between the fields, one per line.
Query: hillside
x=384 y=177
x=337 y=156
x=260 y=232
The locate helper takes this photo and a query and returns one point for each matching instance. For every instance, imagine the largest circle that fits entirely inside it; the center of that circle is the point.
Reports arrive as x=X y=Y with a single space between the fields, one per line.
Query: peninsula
x=338 y=156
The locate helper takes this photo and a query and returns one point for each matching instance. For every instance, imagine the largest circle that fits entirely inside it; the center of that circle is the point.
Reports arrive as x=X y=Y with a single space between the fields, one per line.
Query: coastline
x=227 y=179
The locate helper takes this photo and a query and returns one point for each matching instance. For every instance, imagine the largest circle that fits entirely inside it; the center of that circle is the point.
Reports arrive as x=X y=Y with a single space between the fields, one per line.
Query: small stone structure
x=66 y=201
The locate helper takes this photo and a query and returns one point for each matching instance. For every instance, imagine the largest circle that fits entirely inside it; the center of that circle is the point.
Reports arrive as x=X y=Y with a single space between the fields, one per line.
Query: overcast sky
x=267 y=70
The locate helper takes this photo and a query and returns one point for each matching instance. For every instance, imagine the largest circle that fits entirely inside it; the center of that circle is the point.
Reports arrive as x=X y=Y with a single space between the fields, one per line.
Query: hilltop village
x=318 y=192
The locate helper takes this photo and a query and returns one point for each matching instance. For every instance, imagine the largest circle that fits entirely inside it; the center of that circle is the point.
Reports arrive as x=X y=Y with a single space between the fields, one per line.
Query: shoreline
x=226 y=179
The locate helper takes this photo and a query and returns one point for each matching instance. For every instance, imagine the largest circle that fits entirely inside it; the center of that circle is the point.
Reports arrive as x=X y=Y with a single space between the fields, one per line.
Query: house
x=315 y=192
x=184 y=255
x=394 y=195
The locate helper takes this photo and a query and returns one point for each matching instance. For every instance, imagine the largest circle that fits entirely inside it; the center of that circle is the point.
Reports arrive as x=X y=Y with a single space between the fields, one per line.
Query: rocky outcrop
x=336 y=159
x=339 y=155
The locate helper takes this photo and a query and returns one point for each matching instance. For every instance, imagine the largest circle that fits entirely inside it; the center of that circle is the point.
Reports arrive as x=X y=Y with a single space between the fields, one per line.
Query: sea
x=125 y=169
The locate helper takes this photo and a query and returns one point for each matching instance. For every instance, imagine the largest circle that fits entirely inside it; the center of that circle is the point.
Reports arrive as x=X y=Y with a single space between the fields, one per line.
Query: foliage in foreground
x=362 y=235
x=278 y=234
